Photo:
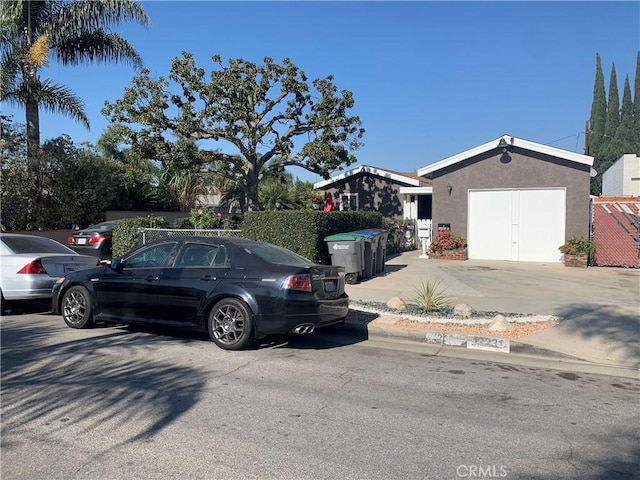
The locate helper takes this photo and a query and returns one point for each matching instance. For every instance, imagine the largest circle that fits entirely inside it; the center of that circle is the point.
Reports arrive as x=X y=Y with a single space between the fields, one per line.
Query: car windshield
x=278 y=255
x=35 y=245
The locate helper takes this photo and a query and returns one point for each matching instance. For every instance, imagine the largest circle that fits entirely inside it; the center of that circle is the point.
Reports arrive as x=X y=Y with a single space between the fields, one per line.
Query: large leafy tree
x=73 y=33
x=140 y=177
x=69 y=185
x=268 y=115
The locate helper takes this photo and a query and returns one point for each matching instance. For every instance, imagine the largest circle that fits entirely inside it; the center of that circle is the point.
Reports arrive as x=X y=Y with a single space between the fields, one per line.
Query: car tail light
x=34 y=267
x=298 y=282
x=98 y=238
x=70 y=240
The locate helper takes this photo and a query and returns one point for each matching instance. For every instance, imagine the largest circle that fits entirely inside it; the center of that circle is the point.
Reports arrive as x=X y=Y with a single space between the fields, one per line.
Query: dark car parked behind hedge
x=95 y=240
x=235 y=289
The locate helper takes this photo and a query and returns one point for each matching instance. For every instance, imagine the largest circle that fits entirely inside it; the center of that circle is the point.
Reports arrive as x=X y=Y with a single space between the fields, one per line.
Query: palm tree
x=72 y=32
x=182 y=166
x=275 y=195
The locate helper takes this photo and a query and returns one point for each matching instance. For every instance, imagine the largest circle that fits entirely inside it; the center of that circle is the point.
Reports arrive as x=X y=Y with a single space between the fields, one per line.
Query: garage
x=526 y=225
x=512 y=199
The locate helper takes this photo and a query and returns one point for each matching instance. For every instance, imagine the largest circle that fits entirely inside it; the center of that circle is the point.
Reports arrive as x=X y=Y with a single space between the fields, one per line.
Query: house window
x=349 y=201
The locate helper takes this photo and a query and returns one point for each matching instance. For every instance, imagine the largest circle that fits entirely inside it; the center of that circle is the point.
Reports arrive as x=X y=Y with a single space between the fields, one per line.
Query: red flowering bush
x=314 y=199
x=445 y=241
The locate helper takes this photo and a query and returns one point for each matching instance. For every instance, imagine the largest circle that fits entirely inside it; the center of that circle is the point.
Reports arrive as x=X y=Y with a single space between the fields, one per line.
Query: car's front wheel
x=231 y=324
x=76 y=308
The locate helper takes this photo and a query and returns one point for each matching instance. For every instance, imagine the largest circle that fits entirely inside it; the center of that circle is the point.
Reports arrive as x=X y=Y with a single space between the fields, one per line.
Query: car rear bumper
x=321 y=314
x=32 y=288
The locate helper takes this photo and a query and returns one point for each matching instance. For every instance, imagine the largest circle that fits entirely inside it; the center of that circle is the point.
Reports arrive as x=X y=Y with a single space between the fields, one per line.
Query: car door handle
x=151 y=278
x=208 y=278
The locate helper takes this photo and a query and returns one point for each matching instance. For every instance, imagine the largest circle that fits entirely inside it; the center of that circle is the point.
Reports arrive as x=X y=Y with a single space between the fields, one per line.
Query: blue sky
x=430 y=79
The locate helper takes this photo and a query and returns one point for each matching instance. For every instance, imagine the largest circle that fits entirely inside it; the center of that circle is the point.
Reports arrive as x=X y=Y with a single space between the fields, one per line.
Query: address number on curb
x=489 y=343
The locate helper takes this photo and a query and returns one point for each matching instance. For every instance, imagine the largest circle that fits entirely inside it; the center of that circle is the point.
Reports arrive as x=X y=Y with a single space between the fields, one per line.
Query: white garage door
x=526 y=225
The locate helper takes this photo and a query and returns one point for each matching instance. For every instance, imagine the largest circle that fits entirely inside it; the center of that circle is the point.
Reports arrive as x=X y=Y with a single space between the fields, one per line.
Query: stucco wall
x=518 y=169
x=623 y=177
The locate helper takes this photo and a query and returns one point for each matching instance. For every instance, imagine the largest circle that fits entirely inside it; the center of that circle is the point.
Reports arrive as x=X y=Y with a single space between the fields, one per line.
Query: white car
x=30 y=265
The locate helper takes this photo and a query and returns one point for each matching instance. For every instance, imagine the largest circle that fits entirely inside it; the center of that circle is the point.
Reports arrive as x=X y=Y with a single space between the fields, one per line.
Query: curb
x=385 y=326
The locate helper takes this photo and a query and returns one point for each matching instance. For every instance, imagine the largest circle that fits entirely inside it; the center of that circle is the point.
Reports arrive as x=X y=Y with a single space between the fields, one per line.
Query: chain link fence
x=150 y=234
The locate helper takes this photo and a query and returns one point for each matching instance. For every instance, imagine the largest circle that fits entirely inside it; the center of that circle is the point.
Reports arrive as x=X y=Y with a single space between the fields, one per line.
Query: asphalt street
x=128 y=403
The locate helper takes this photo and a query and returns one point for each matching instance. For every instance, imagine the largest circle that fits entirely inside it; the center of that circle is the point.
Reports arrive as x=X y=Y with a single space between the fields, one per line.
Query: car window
x=28 y=244
x=278 y=255
x=103 y=227
x=154 y=256
x=199 y=255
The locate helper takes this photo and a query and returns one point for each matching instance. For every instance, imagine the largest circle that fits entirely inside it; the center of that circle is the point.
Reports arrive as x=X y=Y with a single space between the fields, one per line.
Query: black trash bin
x=370 y=251
x=347 y=250
x=378 y=239
x=382 y=251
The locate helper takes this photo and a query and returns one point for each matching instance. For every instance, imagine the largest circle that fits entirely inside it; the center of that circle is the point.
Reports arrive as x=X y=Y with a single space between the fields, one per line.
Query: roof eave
x=371 y=170
x=512 y=141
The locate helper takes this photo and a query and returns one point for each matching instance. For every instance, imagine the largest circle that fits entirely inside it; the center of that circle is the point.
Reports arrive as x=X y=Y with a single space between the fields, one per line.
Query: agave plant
x=430 y=298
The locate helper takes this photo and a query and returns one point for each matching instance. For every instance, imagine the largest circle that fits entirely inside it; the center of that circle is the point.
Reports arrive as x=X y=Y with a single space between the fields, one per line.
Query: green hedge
x=303 y=231
x=126 y=232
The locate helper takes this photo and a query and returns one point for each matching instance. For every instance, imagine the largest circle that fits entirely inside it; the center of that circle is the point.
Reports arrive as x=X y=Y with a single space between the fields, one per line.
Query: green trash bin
x=347 y=250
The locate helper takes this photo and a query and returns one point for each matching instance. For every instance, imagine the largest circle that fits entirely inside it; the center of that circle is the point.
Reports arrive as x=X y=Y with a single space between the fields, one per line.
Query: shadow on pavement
x=333 y=336
x=618 y=329
x=24 y=307
x=40 y=376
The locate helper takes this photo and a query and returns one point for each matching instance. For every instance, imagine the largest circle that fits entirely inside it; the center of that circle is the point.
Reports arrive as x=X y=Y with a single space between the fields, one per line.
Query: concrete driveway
x=599 y=307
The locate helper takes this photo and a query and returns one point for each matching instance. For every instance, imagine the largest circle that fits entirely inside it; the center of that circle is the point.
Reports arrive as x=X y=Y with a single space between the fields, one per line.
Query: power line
x=577 y=135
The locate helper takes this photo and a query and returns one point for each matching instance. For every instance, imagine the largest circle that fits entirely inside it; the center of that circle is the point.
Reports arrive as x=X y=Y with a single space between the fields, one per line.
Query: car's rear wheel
x=76 y=308
x=231 y=324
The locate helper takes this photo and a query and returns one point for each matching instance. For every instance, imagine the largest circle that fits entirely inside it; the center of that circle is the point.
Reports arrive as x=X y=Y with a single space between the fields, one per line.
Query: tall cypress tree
x=597 y=123
x=613 y=117
x=598 y=111
x=624 y=140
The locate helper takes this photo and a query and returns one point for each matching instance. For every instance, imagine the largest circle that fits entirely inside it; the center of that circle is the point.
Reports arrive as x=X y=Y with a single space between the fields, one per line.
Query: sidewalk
x=598 y=308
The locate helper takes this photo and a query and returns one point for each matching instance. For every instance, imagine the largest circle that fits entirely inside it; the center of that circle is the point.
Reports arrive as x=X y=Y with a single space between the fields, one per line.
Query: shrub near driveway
x=126 y=234
x=303 y=231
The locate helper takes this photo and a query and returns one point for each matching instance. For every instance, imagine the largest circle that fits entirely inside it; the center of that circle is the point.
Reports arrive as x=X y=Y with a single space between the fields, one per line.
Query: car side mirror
x=116 y=265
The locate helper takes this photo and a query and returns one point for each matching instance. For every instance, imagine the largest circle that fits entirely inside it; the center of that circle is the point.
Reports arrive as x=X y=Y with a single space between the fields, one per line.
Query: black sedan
x=235 y=289
x=94 y=240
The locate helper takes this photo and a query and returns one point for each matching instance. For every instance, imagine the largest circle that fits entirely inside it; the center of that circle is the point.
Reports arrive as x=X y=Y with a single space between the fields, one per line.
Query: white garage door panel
x=542 y=224
x=489 y=224
x=521 y=225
